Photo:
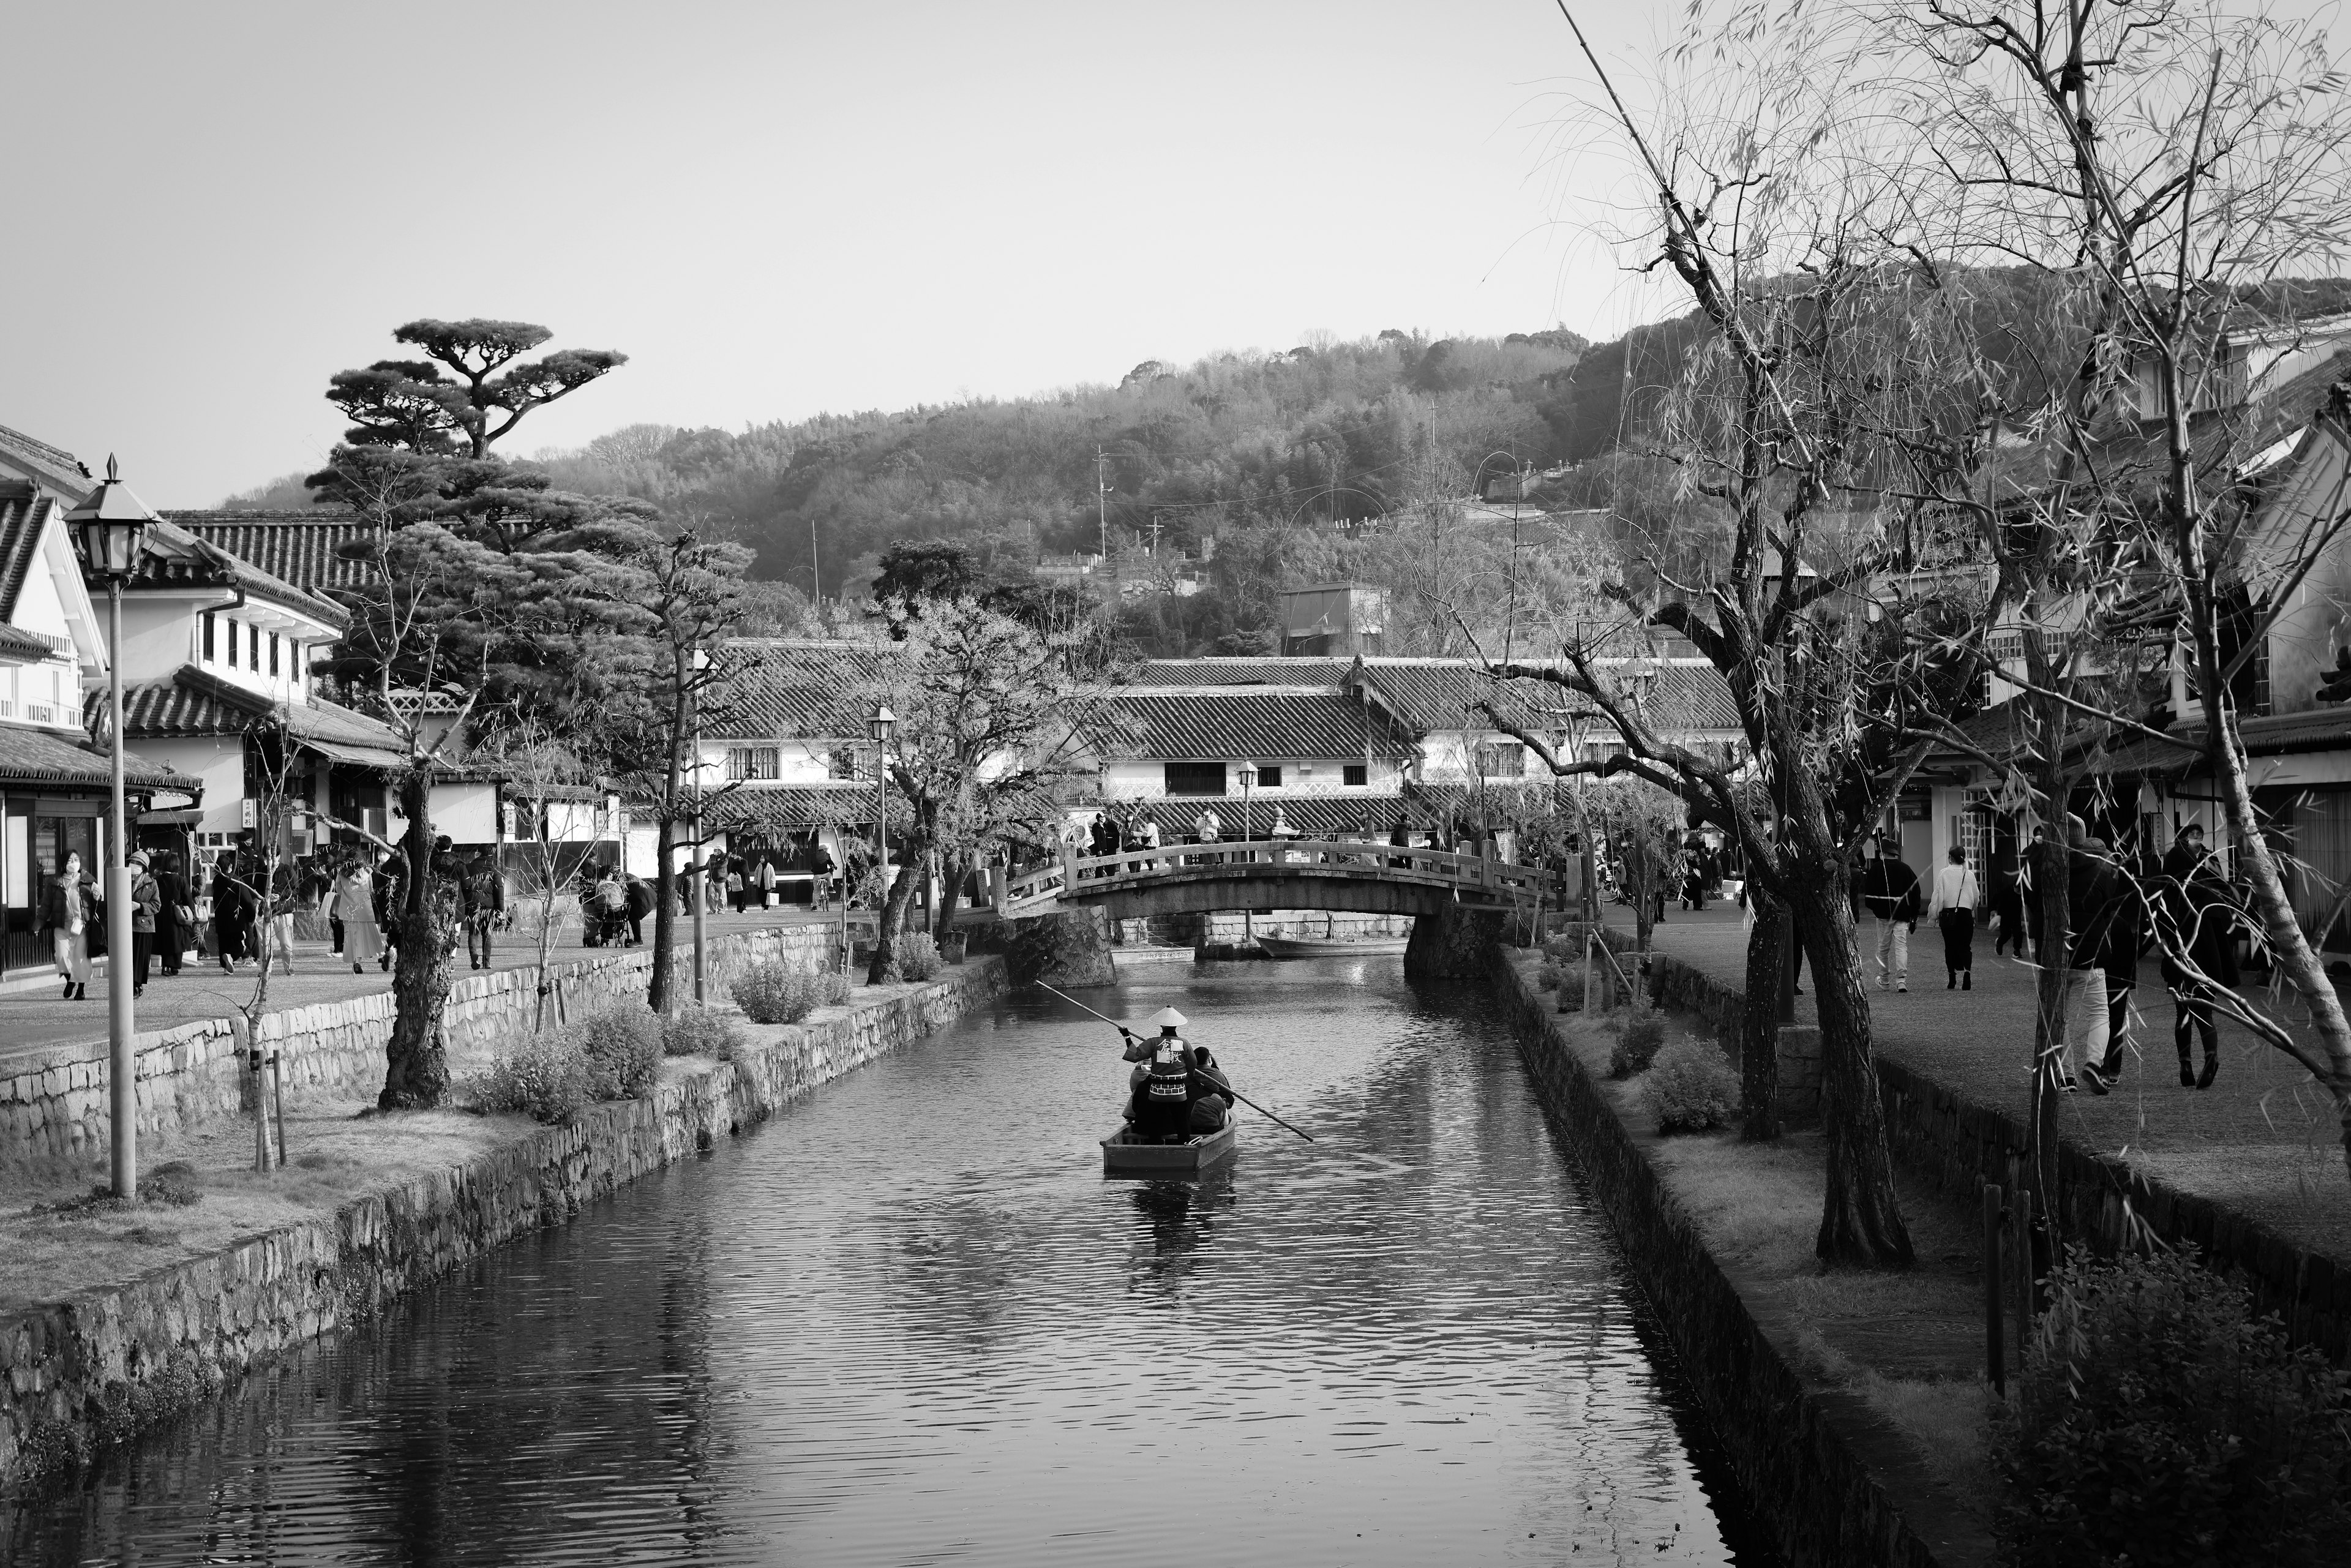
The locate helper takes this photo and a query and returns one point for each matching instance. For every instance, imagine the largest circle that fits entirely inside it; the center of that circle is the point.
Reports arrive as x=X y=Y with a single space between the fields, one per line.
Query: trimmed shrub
x=2158 y=1422
x=174 y=1184
x=1689 y=1088
x=544 y=1078
x=1547 y=977
x=775 y=992
x=623 y=1046
x=916 y=957
x=1644 y=1034
x=694 y=1031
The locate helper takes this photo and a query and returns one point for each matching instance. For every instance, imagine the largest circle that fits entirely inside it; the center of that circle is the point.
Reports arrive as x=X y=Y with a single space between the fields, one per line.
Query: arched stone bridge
x=1263 y=874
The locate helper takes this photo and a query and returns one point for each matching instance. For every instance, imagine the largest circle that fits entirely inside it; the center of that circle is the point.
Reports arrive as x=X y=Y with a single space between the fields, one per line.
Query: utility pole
x=1101 y=504
x=816 y=574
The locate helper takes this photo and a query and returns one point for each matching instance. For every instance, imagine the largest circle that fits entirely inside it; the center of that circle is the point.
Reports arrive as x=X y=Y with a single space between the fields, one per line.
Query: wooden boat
x=1332 y=947
x=1122 y=1158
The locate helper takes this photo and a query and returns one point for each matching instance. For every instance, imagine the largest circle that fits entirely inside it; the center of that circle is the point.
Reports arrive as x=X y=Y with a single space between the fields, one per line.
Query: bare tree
x=2169 y=172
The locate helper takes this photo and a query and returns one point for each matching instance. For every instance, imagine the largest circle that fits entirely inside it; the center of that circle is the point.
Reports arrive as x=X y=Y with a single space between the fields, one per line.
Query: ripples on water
x=910 y=1323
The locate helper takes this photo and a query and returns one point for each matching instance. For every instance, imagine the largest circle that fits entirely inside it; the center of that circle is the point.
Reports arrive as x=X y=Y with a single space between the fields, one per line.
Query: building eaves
x=53 y=466
x=174 y=558
x=301 y=546
x=24 y=513
x=1230 y=724
x=35 y=757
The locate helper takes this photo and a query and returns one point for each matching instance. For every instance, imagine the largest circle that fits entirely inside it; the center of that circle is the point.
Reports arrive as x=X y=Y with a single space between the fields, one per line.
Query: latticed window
x=1502 y=760
x=1355 y=775
x=753 y=762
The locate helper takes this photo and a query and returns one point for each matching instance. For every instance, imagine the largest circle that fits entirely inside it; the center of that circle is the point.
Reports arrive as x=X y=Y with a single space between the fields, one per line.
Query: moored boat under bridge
x=1266 y=874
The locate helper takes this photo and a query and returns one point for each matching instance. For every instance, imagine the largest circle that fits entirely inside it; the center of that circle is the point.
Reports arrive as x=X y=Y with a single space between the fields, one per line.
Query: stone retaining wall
x=53 y=1103
x=97 y=1368
x=1959 y=1145
x=1795 y=1454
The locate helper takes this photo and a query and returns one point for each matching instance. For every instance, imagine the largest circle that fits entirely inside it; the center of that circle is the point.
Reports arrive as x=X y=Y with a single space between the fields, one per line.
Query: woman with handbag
x=69 y=908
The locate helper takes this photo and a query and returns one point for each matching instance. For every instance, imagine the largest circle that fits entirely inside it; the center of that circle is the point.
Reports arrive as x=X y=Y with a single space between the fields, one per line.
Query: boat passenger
x=1212 y=1093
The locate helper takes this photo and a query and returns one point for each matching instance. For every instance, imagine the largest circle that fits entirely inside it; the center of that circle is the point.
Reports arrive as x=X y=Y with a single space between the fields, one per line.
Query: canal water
x=909 y=1322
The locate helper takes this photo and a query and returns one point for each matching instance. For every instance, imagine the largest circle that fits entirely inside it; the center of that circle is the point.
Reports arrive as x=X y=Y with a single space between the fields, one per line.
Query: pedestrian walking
x=1889 y=891
x=484 y=896
x=232 y=907
x=352 y=899
x=2089 y=906
x=278 y=926
x=146 y=898
x=69 y=905
x=174 y=921
x=1953 y=911
x=2197 y=929
x=2126 y=939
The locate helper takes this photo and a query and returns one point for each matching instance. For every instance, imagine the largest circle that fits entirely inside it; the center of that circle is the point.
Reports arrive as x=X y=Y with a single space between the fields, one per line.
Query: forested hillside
x=1227 y=465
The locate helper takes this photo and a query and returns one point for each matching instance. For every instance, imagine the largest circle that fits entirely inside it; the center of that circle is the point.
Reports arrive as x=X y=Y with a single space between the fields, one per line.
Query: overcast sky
x=773 y=208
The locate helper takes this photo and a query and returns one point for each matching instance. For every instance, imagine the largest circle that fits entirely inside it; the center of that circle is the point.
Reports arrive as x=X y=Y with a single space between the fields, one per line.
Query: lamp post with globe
x=112 y=523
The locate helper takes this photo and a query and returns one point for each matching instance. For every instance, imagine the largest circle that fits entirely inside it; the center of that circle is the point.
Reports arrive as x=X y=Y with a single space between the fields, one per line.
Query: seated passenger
x=1211 y=1093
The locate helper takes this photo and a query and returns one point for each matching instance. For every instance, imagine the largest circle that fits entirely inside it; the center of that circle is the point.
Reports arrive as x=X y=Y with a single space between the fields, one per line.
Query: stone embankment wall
x=1796 y=1456
x=1959 y=1145
x=53 y=1103
x=98 y=1367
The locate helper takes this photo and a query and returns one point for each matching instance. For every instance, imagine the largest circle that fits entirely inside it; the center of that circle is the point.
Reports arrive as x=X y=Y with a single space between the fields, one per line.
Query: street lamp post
x=879 y=726
x=1249 y=788
x=700 y=878
x=112 y=523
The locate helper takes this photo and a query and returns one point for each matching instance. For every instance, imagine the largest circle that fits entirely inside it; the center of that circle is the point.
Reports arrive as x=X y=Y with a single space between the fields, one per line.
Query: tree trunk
x=1861 y=1219
x=892 y=923
x=416 y=1075
x=956 y=868
x=1768 y=946
x=657 y=989
x=2290 y=946
x=2051 y=885
x=1641 y=875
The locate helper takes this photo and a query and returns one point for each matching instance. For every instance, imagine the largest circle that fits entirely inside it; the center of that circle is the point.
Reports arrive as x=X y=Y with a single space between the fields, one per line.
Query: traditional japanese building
x=55 y=785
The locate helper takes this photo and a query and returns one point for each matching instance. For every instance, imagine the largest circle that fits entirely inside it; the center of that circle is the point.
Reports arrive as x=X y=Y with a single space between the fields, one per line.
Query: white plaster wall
x=1139 y=780
x=219 y=762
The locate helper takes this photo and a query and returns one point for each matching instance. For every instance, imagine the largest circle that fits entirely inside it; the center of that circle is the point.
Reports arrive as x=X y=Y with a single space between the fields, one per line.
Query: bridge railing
x=1080 y=876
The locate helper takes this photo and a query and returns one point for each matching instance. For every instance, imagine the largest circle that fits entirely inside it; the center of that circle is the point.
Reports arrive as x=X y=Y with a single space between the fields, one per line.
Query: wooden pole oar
x=1225 y=1085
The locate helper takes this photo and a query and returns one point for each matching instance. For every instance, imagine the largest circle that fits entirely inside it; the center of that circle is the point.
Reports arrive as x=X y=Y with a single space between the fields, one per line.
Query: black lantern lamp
x=112 y=525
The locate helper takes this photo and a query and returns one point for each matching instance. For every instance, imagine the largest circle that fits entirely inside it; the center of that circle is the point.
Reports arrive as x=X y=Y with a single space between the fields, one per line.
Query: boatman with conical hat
x=1160 y=1092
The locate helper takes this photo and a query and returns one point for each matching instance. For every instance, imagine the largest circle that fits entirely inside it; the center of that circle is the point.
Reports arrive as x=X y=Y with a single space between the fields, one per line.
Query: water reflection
x=909 y=1322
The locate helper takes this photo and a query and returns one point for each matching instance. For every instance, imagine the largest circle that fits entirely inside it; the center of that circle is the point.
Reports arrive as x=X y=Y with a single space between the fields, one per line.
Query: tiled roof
x=1442 y=694
x=20 y=644
x=793 y=687
x=792 y=808
x=2272 y=735
x=24 y=516
x=1230 y=724
x=34 y=756
x=53 y=466
x=298 y=545
x=194 y=702
x=174 y=557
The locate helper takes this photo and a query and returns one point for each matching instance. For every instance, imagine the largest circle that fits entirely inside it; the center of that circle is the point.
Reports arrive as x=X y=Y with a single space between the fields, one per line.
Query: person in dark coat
x=232 y=910
x=2028 y=865
x=70 y=910
x=1889 y=889
x=2198 y=922
x=391 y=882
x=2093 y=895
x=637 y=902
x=485 y=897
x=172 y=933
x=2126 y=939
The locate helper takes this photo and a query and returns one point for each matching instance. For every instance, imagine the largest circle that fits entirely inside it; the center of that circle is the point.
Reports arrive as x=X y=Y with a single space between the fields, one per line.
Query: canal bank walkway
x=2262 y=1140
x=36 y=1020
